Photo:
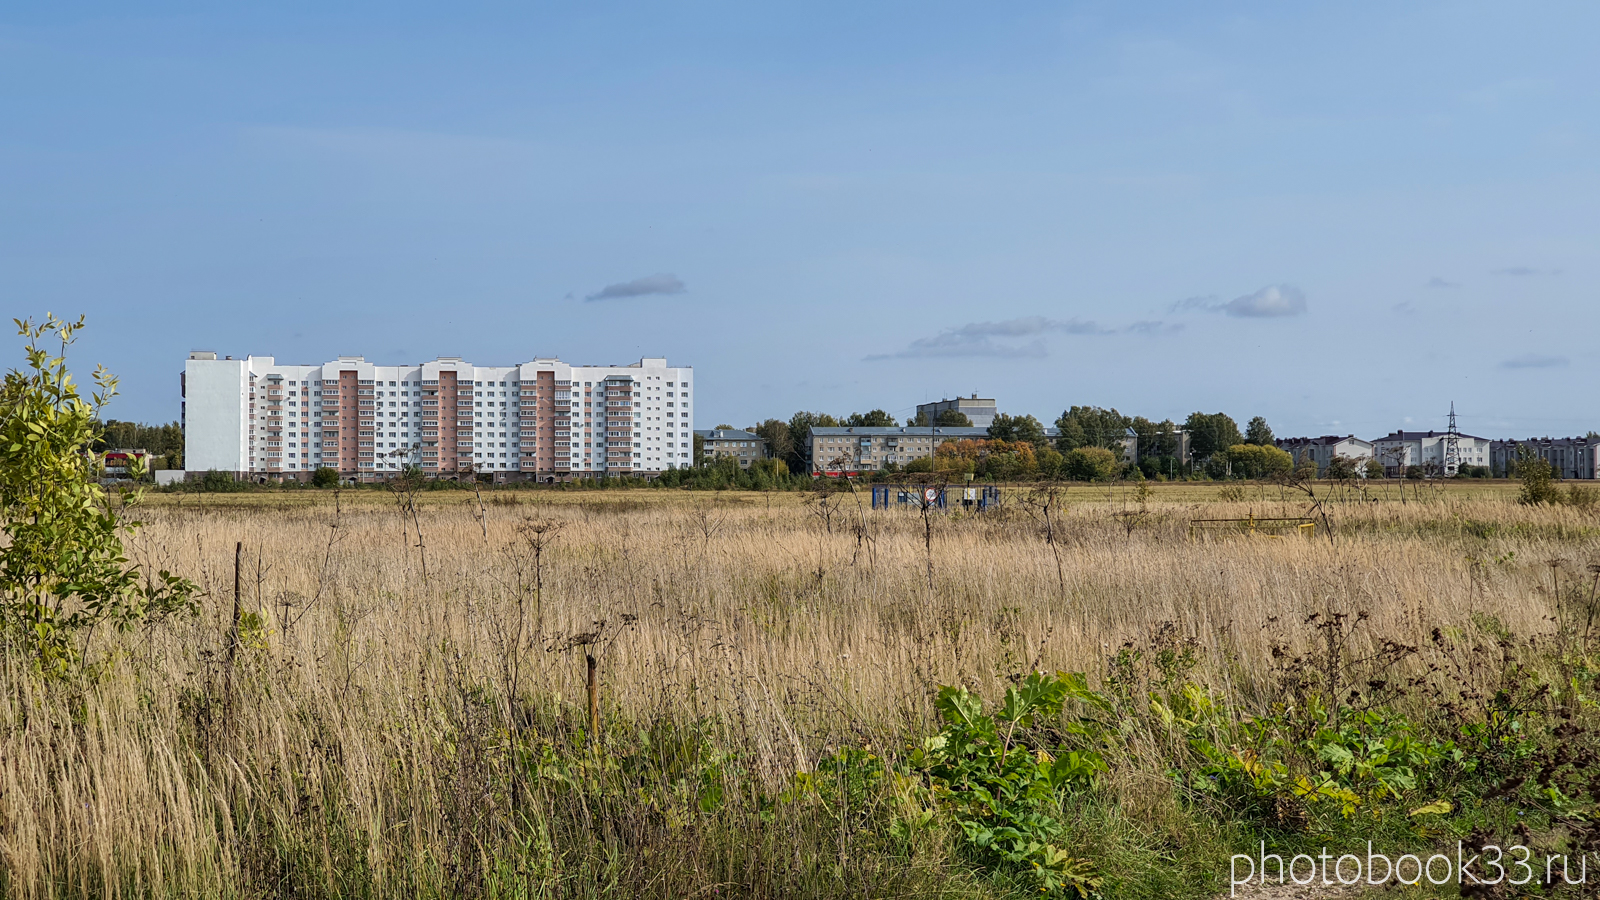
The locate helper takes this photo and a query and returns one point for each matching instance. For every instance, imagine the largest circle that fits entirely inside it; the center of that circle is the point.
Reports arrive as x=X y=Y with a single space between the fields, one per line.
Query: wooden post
x=233 y=634
x=594 y=699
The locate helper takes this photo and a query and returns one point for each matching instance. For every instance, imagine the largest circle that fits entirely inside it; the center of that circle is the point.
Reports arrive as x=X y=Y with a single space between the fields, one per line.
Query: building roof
x=908 y=430
x=727 y=434
x=974 y=399
x=1550 y=442
x=1422 y=435
x=1324 y=440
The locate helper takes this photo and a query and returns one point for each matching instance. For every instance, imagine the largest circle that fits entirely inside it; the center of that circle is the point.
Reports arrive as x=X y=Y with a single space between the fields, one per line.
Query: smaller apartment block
x=545 y=419
x=835 y=450
x=1568 y=457
x=744 y=446
x=1323 y=450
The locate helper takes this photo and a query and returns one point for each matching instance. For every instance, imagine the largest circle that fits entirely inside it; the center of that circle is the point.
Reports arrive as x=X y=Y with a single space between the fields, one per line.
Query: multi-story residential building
x=745 y=446
x=1426 y=449
x=1568 y=457
x=545 y=419
x=980 y=412
x=1323 y=450
x=835 y=450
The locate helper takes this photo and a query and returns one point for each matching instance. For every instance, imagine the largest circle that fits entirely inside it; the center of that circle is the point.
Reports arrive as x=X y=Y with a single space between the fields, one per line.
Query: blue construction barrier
x=980 y=497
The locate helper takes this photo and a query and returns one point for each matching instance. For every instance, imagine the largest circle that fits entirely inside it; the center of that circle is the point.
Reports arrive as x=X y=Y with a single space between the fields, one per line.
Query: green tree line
x=165 y=442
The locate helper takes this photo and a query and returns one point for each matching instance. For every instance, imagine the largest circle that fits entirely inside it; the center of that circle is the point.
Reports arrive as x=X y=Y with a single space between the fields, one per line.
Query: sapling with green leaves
x=63 y=573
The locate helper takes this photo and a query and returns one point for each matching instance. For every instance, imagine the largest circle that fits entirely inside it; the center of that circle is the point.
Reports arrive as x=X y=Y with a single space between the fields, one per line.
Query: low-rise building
x=745 y=446
x=1568 y=457
x=118 y=465
x=1401 y=450
x=1323 y=450
x=980 y=412
x=834 y=450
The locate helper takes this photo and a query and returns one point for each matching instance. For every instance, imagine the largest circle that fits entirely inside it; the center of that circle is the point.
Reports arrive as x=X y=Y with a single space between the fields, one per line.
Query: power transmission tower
x=1452 y=446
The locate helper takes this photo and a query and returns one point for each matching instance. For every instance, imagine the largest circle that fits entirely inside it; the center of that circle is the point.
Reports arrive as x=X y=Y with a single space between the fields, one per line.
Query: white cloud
x=1272 y=301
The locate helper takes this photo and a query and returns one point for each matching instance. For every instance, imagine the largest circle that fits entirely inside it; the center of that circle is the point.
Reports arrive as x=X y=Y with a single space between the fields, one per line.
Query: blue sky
x=1341 y=217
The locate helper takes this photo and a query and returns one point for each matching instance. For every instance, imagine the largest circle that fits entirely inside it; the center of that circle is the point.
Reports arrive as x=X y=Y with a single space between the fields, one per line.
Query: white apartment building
x=544 y=419
x=1402 y=449
x=1324 y=450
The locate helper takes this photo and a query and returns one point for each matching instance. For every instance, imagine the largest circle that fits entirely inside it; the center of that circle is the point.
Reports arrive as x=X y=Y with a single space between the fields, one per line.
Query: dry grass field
x=406 y=715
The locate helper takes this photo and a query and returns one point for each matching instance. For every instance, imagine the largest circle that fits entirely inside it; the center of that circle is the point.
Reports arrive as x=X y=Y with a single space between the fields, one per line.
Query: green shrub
x=1538 y=481
x=1581 y=497
x=1089 y=464
x=1255 y=461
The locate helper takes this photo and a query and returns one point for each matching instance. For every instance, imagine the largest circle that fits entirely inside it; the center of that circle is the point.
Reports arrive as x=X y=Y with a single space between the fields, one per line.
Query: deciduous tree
x=1258 y=432
x=780 y=443
x=1017 y=428
x=1091 y=426
x=1211 y=433
x=800 y=425
x=876 y=418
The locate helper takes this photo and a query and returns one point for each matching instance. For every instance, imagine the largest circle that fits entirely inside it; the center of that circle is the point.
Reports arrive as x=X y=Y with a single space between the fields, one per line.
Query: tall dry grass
x=359 y=744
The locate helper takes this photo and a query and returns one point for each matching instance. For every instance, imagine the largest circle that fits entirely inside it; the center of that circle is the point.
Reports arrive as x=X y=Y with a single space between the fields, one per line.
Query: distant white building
x=545 y=419
x=1568 y=457
x=1426 y=449
x=1324 y=450
x=980 y=412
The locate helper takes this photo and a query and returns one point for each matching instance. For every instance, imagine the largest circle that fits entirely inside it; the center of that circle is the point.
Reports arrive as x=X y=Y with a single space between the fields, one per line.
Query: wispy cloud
x=955 y=343
x=1272 y=301
x=1027 y=325
x=997 y=339
x=1535 y=361
x=1437 y=282
x=663 y=283
x=1525 y=271
x=1153 y=326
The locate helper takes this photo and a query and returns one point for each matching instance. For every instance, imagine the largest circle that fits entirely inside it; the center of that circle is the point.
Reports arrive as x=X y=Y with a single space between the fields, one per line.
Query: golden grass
x=785 y=631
